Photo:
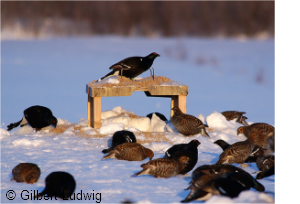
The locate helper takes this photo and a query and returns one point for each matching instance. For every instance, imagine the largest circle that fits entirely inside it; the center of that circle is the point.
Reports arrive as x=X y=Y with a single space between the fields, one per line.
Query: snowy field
x=82 y=157
x=222 y=74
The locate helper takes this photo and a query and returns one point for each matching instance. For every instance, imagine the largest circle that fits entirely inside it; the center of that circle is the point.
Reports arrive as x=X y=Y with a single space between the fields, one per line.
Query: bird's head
x=149 y=153
x=54 y=121
x=153 y=55
x=240 y=130
x=176 y=109
x=195 y=142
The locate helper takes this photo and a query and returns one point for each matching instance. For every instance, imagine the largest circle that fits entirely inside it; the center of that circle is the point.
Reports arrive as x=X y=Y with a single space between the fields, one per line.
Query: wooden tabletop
x=117 y=86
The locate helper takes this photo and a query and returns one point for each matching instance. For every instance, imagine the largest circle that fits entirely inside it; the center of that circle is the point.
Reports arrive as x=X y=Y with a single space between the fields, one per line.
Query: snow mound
x=218 y=122
x=170 y=127
x=69 y=131
x=89 y=131
x=111 y=128
x=156 y=124
x=25 y=130
x=125 y=120
x=3 y=133
x=120 y=110
x=141 y=123
x=62 y=122
x=82 y=122
x=202 y=118
x=108 y=114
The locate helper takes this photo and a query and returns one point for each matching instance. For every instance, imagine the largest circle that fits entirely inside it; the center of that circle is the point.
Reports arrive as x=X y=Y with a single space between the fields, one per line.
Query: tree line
x=145 y=18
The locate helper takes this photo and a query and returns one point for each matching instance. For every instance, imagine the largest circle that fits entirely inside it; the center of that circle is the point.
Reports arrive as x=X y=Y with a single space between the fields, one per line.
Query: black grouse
x=120 y=137
x=37 y=117
x=191 y=146
x=59 y=184
x=160 y=115
x=132 y=66
x=190 y=150
x=187 y=124
x=231 y=115
x=227 y=180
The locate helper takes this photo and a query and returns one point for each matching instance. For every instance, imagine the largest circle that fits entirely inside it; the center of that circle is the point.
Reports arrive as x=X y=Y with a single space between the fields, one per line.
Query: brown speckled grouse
x=132 y=66
x=37 y=117
x=164 y=168
x=231 y=115
x=263 y=131
x=120 y=137
x=187 y=124
x=247 y=130
x=252 y=157
x=26 y=172
x=237 y=152
x=130 y=152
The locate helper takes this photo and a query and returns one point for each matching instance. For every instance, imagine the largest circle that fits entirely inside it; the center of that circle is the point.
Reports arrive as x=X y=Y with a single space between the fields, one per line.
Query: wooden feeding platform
x=121 y=86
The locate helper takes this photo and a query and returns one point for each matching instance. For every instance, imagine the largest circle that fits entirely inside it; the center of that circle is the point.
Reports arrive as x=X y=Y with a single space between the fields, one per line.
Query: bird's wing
x=128 y=63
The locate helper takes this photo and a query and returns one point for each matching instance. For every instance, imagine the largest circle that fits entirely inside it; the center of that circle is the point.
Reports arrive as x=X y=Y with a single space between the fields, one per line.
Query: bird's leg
x=152 y=73
x=121 y=73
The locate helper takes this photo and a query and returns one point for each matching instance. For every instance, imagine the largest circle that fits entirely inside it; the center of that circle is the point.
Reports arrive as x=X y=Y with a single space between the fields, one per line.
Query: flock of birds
x=221 y=178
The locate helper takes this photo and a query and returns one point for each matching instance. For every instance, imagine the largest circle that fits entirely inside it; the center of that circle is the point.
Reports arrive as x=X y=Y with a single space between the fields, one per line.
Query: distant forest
x=142 y=18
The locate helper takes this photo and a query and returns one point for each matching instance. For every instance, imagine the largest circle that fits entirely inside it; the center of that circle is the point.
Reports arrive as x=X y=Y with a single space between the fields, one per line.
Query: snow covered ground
x=72 y=151
x=222 y=74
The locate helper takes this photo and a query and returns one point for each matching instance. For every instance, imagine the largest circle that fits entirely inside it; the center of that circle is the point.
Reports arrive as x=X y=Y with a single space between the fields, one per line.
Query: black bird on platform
x=132 y=66
x=37 y=117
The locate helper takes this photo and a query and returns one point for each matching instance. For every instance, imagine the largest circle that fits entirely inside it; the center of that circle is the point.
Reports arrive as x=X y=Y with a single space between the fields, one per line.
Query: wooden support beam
x=89 y=113
x=94 y=111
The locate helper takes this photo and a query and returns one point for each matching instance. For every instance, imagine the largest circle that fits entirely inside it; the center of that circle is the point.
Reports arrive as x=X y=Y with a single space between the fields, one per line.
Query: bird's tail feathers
x=13 y=125
x=112 y=73
x=105 y=151
x=111 y=155
x=203 y=132
x=143 y=172
x=199 y=194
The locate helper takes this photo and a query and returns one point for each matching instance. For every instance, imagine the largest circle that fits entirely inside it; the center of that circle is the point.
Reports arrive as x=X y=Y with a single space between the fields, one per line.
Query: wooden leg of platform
x=89 y=113
x=94 y=111
x=179 y=101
